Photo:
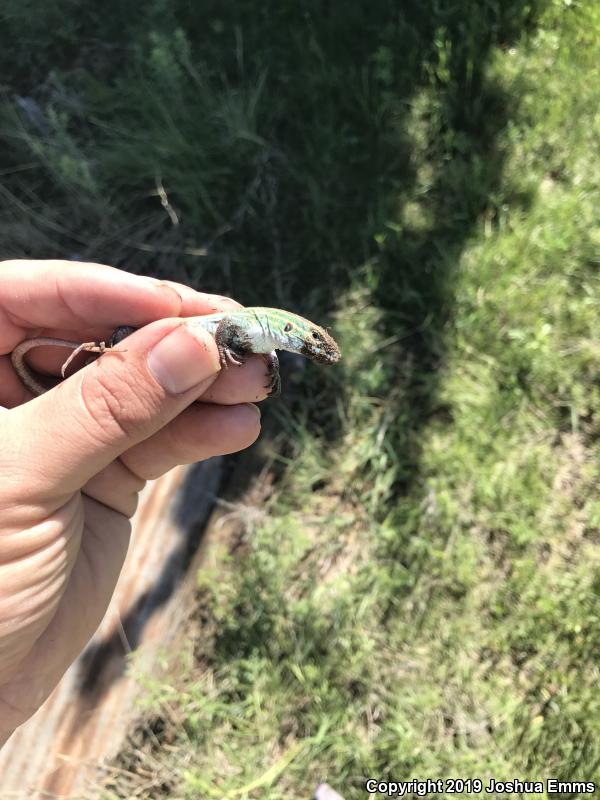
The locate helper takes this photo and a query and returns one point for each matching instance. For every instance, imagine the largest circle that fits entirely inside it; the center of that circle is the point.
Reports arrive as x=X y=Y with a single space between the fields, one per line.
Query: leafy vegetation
x=421 y=599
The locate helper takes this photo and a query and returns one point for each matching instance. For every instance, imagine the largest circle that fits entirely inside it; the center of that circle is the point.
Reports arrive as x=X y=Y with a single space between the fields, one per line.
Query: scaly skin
x=237 y=334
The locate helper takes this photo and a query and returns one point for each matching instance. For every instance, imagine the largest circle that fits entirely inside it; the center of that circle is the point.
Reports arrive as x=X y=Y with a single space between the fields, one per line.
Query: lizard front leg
x=274 y=378
x=235 y=344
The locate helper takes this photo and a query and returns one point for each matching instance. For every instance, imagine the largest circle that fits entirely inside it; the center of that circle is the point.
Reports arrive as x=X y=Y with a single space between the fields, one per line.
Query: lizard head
x=321 y=347
x=309 y=340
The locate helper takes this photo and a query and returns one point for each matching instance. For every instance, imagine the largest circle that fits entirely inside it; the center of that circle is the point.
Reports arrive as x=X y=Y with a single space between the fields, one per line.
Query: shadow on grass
x=417 y=166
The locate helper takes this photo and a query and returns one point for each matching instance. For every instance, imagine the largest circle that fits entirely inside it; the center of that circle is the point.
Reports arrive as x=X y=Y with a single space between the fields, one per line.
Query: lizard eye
x=315 y=335
x=288 y=327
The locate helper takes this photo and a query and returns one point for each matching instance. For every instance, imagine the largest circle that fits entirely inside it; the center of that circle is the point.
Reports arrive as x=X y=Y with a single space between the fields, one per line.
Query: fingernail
x=254 y=408
x=165 y=288
x=183 y=359
x=221 y=301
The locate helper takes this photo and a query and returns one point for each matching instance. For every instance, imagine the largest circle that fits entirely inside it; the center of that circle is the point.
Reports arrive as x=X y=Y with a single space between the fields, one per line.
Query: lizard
x=237 y=334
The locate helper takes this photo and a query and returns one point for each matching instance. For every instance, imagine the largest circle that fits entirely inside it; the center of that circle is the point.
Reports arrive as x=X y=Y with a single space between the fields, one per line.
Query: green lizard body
x=261 y=330
x=237 y=334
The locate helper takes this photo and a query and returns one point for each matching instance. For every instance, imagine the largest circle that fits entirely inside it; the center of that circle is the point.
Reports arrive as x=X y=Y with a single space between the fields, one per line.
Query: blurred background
x=418 y=596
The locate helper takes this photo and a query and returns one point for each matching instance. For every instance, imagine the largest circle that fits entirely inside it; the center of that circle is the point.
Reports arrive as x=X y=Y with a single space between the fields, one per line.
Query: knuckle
x=114 y=404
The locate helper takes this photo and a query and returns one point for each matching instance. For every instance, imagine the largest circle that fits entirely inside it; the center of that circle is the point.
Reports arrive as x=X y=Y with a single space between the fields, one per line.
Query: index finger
x=75 y=296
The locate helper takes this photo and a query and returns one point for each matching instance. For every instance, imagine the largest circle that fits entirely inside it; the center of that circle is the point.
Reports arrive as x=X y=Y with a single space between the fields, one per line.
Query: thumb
x=56 y=442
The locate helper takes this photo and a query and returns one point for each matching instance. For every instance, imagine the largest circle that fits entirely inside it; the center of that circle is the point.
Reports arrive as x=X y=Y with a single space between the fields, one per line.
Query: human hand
x=74 y=459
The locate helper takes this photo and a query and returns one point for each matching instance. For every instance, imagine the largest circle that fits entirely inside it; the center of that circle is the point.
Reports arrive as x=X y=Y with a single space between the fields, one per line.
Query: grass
x=420 y=597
